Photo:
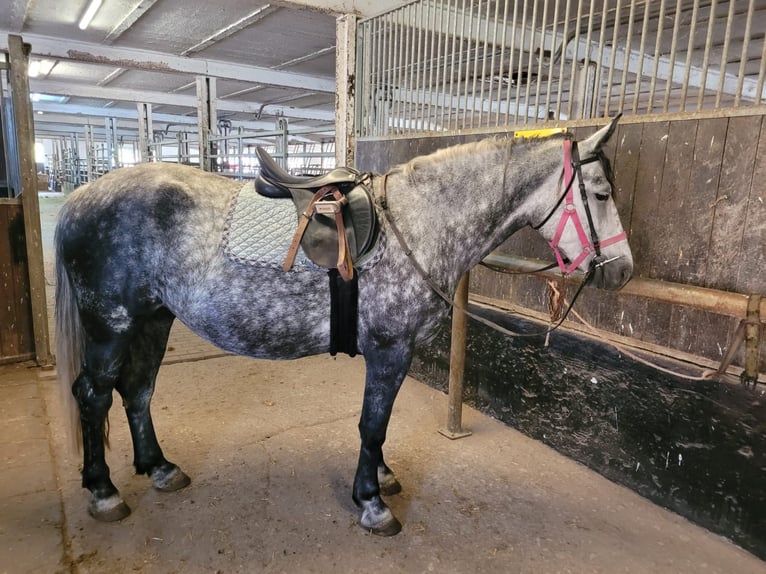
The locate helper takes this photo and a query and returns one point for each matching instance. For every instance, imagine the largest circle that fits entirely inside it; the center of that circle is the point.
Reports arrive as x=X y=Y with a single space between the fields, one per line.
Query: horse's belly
x=260 y=313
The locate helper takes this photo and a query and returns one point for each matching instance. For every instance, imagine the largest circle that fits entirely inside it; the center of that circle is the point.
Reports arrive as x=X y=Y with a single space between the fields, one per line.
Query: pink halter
x=594 y=245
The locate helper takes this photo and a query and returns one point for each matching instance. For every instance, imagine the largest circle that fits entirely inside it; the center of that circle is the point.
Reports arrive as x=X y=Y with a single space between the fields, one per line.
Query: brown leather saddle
x=337 y=222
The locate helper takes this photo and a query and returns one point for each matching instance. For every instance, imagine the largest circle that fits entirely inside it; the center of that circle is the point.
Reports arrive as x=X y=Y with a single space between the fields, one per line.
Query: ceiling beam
x=255 y=16
x=162 y=98
x=364 y=8
x=74 y=114
x=131 y=18
x=49 y=47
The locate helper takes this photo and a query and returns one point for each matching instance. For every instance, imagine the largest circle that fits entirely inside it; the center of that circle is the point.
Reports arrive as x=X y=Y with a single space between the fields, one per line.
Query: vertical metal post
x=206 y=119
x=25 y=138
x=145 y=131
x=345 y=82
x=454 y=428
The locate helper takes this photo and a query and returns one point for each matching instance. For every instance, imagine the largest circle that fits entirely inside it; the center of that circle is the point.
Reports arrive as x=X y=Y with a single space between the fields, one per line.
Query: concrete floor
x=271 y=449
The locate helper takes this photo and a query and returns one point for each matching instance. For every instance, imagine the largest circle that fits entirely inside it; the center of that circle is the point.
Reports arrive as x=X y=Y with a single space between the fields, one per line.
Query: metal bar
x=725 y=54
x=613 y=58
x=431 y=65
x=529 y=64
x=420 y=70
x=673 y=48
x=454 y=428
x=466 y=82
x=410 y=59
x=761 y=74
x=626 y=58
x=689 y=51
x=388 y=55
x=438 y=120
x=599 y=60
x=540 y=65
x=641 y=52
x=656 y=56
x=575 y=56
x=453 y=81
x=703 y=298
x=492 y=61
x=520 y=71
x=743 y=53
x=459 y=78
x=554 y=37
x=510 y=64
x=396 y=72
x=475 y=41
x=562 y=58
x=706 y=56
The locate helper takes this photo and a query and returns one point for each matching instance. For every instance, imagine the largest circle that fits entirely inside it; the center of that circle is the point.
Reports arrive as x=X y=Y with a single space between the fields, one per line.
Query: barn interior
x=631 y=439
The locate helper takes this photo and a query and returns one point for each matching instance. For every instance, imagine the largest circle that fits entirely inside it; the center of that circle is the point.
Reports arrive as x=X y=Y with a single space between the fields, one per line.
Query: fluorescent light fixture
x=89 y=13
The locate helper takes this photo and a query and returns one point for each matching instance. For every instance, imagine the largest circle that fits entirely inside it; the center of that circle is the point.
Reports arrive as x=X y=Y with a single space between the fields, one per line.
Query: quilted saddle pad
x=259 y=230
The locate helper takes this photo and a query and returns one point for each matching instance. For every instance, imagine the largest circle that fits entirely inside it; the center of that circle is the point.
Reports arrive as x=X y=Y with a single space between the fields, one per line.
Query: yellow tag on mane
x=541 y=133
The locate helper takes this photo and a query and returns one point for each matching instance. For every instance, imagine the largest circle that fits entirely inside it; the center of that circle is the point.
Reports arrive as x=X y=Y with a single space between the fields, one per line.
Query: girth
x=337 y=220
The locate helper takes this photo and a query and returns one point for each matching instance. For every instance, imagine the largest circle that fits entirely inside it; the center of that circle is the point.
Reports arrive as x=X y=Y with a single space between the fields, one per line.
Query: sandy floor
x=271 y=449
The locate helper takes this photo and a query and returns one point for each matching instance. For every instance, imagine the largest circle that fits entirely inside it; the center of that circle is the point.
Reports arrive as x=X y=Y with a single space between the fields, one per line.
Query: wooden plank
x=731 y=204
x=647 y=196
x=751 y=277
x=9 y=341
x=696 y=220
x=16 y=335
x=671 y=225
x=651 y=323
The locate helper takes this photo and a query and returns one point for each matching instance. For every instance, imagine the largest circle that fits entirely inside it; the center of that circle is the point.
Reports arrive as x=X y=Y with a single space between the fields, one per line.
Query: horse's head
x=584 y=227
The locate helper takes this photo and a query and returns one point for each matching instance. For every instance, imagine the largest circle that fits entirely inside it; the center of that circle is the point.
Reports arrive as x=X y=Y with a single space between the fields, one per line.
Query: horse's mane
x=461 y=151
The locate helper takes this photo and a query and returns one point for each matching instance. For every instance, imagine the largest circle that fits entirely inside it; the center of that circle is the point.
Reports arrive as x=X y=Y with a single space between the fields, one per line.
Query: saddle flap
x=320 y=241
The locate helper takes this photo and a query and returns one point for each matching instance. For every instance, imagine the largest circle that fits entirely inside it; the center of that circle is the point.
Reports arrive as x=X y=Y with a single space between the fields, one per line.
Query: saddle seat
x=337 y=222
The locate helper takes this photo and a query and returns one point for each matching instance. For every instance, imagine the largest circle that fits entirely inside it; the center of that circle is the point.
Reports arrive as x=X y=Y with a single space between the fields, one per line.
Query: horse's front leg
x=386 y=369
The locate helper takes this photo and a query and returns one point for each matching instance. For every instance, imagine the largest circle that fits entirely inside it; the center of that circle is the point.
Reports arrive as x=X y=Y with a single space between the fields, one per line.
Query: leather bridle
x=573 y=166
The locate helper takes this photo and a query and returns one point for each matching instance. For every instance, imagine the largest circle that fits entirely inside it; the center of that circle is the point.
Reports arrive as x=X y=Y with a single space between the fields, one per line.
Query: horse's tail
x=69 y=342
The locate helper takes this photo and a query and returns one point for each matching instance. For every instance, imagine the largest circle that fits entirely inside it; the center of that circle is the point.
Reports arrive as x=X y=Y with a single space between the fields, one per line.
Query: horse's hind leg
x=386 y=369
x=136 y=386
x=92 y=390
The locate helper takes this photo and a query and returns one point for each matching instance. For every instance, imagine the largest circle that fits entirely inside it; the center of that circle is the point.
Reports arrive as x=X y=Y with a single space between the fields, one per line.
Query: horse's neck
x=454 y=211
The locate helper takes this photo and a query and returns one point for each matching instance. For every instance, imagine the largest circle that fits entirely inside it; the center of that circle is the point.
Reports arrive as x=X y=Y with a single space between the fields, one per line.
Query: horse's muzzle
x=611 y=272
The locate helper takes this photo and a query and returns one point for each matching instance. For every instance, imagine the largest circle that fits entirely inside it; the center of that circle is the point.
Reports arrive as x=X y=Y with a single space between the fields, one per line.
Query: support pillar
x=454 y=429
x=25 y=137
x=206 y=119
x=345 y=81
x=145 y=131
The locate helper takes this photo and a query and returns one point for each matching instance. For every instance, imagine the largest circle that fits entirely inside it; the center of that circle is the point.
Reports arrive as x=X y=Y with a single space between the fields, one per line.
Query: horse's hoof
x=171 y=481
x=109 y=509
x=378 y=519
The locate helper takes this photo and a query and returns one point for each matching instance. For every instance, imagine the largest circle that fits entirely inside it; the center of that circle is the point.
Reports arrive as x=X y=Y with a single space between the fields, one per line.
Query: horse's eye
x=602 y=196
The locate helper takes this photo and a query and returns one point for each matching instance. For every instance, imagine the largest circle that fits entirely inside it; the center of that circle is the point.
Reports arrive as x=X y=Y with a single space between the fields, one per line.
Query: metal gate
x=450 y=65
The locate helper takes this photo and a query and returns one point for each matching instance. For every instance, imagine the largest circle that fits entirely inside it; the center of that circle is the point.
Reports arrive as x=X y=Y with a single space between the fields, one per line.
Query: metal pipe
x=703 y=298
x=457 y=363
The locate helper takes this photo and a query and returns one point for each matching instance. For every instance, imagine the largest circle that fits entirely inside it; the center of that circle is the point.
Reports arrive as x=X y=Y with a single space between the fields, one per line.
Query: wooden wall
x=16 y=336
x=692 y=196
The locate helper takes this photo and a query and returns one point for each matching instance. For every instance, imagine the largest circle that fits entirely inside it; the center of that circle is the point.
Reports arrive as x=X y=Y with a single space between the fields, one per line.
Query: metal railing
x=449 y=65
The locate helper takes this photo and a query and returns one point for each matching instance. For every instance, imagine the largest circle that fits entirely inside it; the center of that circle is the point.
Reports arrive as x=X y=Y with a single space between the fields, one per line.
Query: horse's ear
x=595 y=142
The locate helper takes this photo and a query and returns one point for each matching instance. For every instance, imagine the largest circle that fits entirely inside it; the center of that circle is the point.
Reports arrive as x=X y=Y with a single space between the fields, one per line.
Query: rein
x=571 y=160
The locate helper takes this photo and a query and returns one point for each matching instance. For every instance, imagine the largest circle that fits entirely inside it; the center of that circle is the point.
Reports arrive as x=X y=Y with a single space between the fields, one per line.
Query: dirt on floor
x=272 y=447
